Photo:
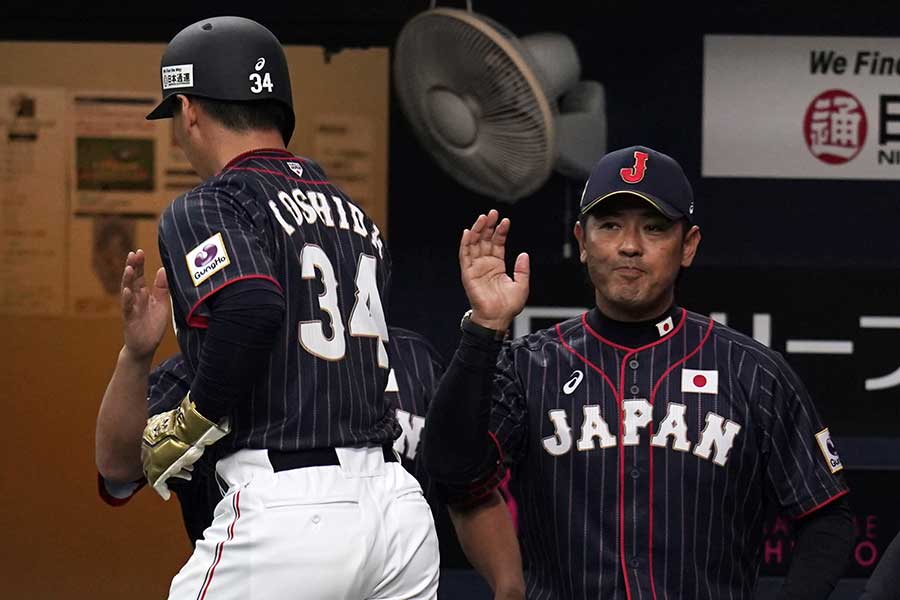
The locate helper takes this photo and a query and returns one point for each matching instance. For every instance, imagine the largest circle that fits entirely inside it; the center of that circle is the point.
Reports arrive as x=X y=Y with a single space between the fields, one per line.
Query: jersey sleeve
x=167 y=386
x=508 y=408
x=506 y=432
x=803 y=467
x=210 y=237
x=507 y=429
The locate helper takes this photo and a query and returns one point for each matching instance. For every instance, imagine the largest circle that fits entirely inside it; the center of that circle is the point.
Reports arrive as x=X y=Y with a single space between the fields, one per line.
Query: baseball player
x=278 y=283
x=645 y=440
x=134 y=391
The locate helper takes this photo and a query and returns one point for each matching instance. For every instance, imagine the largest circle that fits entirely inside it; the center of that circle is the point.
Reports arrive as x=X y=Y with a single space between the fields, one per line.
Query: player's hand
x=145 y=309
x=495 y=297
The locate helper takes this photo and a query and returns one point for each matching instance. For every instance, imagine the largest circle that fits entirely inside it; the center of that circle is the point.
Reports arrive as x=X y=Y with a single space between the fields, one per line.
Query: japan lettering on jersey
x=271 y=215
x=644 y=473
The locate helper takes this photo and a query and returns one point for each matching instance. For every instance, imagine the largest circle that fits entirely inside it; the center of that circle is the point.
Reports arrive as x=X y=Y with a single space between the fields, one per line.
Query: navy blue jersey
x=645 y=472
x=416 y=367
x=271 y=215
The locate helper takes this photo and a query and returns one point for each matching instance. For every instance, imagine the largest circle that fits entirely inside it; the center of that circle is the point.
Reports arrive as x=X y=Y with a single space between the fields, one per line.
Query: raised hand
x=145 y=310
x=495 y=297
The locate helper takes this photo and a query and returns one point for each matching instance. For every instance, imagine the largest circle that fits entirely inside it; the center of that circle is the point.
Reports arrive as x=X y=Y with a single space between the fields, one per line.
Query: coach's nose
x=630 y=243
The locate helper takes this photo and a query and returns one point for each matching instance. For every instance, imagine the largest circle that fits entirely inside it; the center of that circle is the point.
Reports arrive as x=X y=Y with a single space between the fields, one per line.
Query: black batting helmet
x=225 y=58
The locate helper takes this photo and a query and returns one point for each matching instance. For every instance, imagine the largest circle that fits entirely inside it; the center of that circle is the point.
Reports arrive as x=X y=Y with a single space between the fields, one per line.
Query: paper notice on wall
x=117 y=154
x=99 y=244
x=33 y=200
x=117 y=193
x=344 y=146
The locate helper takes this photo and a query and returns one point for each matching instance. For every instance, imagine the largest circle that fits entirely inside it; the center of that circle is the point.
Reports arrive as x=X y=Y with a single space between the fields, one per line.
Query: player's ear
x=689 y=245
x=579 y=235
x=187 y=108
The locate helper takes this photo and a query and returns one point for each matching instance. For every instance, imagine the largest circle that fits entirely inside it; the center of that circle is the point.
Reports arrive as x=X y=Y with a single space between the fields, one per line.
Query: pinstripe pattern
x=301 y=400
x=417 y=367
x=167 y=385
x=585 y=517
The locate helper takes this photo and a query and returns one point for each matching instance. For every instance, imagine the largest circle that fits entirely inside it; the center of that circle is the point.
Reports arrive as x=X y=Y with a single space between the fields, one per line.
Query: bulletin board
x=83 y=178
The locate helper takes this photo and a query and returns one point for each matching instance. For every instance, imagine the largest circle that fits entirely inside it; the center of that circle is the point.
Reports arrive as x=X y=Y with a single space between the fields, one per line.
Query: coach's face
x=633 y=254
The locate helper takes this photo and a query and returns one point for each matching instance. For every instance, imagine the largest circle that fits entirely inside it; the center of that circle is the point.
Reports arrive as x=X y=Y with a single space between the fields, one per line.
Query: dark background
x=815 y=255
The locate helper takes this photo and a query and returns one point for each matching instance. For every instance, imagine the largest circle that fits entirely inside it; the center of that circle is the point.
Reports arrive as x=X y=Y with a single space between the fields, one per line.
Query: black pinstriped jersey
x=415 y=370
x=271 y=215
x=645 y=472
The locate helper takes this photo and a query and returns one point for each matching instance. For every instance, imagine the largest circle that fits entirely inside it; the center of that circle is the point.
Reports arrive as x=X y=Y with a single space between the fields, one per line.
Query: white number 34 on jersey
x=366 y=318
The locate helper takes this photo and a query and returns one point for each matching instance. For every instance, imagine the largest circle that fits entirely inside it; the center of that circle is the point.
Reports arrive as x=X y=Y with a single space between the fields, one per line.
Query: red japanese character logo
x=835 y=127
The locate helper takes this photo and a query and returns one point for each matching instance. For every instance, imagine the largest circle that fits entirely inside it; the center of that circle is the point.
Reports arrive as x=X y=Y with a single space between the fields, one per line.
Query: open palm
x=145 y=309
x=495 y=297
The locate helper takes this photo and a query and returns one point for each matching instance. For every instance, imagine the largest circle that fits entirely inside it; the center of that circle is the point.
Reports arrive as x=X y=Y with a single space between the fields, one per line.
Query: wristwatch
x=468 y=325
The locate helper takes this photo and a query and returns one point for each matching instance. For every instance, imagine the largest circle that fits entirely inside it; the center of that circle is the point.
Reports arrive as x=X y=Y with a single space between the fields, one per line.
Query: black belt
x=285 y=460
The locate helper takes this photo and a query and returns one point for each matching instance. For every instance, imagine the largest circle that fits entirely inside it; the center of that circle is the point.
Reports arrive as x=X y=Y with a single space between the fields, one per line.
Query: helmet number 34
x=260 y=81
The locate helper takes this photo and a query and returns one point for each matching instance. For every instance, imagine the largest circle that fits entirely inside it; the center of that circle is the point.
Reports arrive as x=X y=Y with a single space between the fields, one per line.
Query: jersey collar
x=245 y=155
x=630 y=335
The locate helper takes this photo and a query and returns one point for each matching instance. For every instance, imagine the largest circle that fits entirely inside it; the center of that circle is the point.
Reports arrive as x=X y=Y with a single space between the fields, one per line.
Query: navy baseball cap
x=643 y=172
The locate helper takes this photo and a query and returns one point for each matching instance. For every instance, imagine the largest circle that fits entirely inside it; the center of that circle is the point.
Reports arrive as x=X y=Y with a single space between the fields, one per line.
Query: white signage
x=801 y=107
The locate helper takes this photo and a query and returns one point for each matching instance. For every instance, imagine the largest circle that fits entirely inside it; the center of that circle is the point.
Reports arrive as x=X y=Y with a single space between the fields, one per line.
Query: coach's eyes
x=607 y=225
x=657 y=227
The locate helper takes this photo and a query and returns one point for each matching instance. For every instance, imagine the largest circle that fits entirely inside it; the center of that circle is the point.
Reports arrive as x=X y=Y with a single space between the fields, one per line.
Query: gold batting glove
x=175 y=440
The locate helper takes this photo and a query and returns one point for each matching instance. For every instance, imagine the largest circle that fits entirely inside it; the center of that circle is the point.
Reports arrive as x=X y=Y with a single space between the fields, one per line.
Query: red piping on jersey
x=626 y=348
x=236 y=503
x=665 y=374
x=280 y=174
x=620 y=435
x=619 y=393
x=200 y=322
x=586 y=361
x=820 y=505
x=619 y=399
x=489 y=484
x=511 y=504
x=245 y=155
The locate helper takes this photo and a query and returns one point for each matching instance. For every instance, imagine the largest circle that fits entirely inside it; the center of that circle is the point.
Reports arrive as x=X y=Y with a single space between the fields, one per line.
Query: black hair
x=246 y=115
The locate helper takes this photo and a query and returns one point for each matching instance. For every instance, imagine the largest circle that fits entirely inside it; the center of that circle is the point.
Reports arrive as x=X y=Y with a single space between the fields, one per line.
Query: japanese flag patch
x=702 y=382
x=829 y=452
x=208 y=258
x=665 y=326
